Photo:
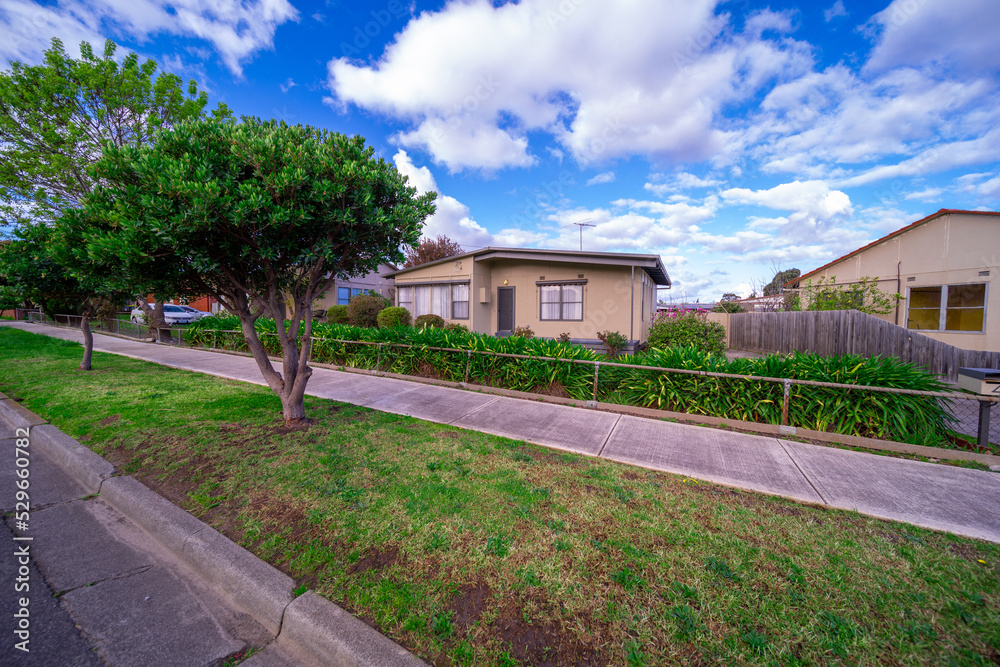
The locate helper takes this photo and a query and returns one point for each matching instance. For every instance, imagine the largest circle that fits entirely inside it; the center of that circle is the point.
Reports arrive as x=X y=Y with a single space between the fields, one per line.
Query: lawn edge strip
x=307 y=626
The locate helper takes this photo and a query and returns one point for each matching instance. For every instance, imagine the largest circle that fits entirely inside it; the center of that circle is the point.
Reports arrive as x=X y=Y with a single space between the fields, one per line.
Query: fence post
x=213 y=339
x=468 y=362
x=597 y=368
x=378 y=359
x=984 y=423
x=784 y=403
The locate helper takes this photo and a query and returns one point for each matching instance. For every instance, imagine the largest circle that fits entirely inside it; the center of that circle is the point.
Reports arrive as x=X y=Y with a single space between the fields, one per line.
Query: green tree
x=261 y=215
x=56 y=117
x=32 y=271
x=863 y=295
x=779 y=279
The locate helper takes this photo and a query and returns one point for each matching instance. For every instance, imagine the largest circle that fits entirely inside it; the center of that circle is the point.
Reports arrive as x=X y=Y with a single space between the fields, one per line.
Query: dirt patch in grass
x=545 y=643
x=109 y=420
x=374 y=558
x=554 y=389
x=469 y=604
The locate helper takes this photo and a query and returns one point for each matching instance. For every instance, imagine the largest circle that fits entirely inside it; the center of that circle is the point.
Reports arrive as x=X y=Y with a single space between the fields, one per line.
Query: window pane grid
x=561 y=302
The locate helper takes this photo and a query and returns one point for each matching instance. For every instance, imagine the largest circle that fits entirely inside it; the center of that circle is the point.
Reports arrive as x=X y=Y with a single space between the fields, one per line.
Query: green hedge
x=914 y=419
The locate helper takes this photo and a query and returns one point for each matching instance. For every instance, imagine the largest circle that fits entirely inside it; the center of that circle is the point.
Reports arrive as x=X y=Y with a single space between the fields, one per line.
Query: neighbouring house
x=496 y=290
x=343 y=290
x=945 y=266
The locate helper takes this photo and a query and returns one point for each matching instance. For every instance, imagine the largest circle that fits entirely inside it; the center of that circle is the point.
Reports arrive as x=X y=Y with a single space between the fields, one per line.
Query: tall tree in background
x=31 y=270
x=57 y=117
x=430 y=250
x=779 y=279
x=260 y=215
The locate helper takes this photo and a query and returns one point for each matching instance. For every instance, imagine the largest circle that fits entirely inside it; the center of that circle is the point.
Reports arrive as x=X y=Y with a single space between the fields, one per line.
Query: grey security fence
x=779 y=401
x=115 y=326
x=784 y=395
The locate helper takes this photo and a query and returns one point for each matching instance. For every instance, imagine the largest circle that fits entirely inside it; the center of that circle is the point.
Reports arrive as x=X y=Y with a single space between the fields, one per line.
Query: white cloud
x=288 y=85
x=452 y=218
x=648 y=78
x=812 y=199
x=928 y=194
x=236 y=30
x=956 y=33
x=834 y=11
x=661 y=184
x=603 y=177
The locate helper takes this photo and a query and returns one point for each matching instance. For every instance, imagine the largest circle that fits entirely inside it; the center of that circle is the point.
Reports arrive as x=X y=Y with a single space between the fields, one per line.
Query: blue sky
x=732 y=138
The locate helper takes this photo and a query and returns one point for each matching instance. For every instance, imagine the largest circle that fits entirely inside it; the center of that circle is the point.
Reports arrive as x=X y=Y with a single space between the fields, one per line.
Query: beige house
x=946 y=266
x=343 y=290
x=495 y=290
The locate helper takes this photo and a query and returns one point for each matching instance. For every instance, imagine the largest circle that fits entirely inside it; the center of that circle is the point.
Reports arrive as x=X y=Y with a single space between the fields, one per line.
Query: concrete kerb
x=248 y=582
x=315 y=630
x=327 y=634
x=78 y=461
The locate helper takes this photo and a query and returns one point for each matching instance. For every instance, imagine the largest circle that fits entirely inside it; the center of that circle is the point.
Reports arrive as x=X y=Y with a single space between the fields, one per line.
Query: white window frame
x=406 y=297
x=943 y=307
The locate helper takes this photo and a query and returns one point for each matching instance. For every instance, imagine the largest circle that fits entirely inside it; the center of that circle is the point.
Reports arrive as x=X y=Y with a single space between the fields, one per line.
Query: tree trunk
x=88 y=341
x=156 y=322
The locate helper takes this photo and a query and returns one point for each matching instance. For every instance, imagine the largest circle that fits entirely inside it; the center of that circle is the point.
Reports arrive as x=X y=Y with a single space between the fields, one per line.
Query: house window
x=947 y=308
x=446 y=301
x=343 y=295
x=562 y=302
x=459 y=302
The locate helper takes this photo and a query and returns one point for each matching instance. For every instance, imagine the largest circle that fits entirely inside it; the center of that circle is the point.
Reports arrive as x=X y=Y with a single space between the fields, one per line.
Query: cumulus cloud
x=662 y=184
x=648 y=78
x=834 y=11
x=603 y=177
x=288 y=85
x=236 y=30
x=452 y=218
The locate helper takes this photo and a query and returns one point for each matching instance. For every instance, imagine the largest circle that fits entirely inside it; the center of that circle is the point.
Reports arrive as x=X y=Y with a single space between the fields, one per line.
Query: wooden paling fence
x=851 y=332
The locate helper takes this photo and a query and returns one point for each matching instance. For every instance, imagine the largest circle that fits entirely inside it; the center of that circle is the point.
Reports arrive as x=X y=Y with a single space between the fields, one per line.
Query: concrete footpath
x=959 y=500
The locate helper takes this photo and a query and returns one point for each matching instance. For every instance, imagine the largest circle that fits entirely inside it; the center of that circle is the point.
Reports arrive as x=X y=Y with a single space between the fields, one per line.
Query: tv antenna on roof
x=581 y=225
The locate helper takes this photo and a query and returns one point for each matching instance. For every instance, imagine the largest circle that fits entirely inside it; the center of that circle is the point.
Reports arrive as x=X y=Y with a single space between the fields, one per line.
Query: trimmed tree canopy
x=261 y=215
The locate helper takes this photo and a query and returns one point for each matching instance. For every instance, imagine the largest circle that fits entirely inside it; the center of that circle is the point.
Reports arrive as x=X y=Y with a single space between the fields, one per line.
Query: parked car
x=198 y=314
x=171 y=314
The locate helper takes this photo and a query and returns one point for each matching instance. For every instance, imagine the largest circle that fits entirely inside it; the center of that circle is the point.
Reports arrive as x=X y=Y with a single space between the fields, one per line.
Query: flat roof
x=651 y=264
x=901 y=230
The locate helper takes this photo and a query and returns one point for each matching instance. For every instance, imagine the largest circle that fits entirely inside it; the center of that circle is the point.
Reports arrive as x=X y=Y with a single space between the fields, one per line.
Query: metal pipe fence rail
x=966 y=408
x=972 y=413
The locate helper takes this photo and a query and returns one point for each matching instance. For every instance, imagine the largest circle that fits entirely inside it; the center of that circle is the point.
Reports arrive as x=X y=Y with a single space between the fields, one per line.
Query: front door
x=505 y=309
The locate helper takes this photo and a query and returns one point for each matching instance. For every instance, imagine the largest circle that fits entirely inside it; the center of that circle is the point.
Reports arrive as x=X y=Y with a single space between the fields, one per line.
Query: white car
x=197 y=314
x=171 y=314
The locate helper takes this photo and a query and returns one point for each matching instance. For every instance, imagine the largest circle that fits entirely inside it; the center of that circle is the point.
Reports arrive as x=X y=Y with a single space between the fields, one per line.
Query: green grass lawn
x=474 y=549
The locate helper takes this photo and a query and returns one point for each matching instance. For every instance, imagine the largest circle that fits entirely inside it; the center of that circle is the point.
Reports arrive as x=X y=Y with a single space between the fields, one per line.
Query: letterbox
x=984 y=381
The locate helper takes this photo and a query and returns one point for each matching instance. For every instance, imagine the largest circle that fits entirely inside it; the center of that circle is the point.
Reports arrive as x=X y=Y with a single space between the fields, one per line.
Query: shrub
x=456 y=327
x=563 y=338
x=433 y=321
x=671 y=329
x=363 y=310
x=523 y=332
x=613 y=341
x=394 y=316
x=336 y=314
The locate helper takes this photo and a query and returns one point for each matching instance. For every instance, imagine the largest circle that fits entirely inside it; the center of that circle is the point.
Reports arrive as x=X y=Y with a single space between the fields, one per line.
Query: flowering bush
x=686 y=328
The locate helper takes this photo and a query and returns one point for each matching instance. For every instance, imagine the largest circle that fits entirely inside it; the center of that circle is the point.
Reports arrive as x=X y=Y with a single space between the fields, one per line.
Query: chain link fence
x=463 y=364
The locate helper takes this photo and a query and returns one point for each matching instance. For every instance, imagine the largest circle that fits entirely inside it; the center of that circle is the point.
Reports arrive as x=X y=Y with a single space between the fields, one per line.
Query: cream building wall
x=616 y=298
x=953 y=249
